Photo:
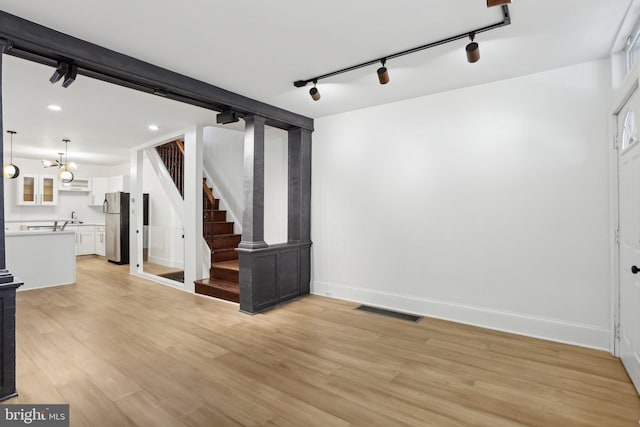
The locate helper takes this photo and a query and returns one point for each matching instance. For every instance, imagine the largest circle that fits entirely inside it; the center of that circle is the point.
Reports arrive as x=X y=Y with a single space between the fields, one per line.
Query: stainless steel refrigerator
x=116 y=208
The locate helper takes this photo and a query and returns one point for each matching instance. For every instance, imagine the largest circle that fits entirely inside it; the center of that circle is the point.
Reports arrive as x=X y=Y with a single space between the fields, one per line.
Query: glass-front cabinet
x=41 y=190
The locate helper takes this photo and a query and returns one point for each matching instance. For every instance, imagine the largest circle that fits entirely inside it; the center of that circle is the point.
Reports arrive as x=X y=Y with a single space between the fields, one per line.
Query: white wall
x=486 y=205
x=276 y=170
x=222 y=152
x=68 y=200
x=166 y=245
x=223 y=160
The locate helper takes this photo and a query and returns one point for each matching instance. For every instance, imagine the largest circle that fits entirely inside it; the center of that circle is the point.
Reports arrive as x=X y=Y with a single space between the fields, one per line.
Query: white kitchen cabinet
x=103 y=185
x=100 y=188
x=86 y=240
x=99 y=240
x=79 y=183
x=37 y=190
x=116 y=183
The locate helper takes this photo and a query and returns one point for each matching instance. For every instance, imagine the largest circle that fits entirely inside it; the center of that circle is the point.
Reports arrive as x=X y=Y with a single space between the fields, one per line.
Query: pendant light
x=64 y=174
x=11 y=171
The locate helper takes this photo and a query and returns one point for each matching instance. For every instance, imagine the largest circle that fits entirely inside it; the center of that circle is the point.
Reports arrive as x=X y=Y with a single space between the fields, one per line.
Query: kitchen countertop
x=36 y=233
x=20 y=221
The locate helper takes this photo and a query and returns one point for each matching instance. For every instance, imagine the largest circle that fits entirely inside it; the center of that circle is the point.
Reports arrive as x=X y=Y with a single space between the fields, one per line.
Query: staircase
x=223 y=282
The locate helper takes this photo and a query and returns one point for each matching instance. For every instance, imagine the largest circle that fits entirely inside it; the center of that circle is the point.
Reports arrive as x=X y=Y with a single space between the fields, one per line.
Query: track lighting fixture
x=383 y=73
x=10 y=170
x=226 y=117
x=70 y=77
x=68 y=71
x=315 y=94
x=473 y=50
x=59 y=73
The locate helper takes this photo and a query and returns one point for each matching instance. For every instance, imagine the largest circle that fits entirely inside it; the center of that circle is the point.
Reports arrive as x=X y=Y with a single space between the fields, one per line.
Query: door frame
x=630 y=84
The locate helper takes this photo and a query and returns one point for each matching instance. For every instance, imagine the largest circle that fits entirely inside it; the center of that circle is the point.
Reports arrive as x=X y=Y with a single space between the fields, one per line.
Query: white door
x=629 y=223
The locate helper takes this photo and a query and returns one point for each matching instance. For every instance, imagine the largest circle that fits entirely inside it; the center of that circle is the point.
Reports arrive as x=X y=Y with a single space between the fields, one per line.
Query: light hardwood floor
x=123 y=351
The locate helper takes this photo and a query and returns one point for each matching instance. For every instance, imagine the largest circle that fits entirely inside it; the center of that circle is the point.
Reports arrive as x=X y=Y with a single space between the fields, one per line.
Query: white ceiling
x=258 y=48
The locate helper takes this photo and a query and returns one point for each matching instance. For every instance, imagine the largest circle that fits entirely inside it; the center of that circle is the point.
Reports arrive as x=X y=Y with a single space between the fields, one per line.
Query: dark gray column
x=8 y=286
x=3 y=263
x=253 y=199
x=299 y=207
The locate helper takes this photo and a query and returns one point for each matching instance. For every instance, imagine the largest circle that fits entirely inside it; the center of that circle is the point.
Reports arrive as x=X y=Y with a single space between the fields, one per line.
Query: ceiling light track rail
x=506 y=20
x=37 y=43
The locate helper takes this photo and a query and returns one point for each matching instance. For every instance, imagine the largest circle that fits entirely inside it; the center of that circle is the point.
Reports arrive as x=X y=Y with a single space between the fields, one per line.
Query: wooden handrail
x=180 y=145
x=208 y=192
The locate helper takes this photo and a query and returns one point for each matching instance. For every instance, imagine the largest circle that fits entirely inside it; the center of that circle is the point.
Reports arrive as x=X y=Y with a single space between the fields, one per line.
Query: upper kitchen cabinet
x=100 y=188
x=37 y=190
x=78 y=184
x=117 y=183
x=103 y=185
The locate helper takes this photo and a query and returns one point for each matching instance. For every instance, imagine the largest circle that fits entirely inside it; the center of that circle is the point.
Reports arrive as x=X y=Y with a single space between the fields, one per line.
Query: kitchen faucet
x=73 y=214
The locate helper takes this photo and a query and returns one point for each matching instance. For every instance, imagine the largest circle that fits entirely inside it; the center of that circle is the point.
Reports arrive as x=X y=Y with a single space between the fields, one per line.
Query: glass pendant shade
x=65 y=175
x=11 y=171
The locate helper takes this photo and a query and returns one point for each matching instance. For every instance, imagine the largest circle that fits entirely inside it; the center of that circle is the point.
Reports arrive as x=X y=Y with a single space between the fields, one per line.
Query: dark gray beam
x=45 y=45
x=253 y=196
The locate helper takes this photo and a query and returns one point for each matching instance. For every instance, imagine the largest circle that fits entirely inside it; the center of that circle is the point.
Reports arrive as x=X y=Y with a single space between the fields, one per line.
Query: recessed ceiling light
x=153 y=127
x=53 y=107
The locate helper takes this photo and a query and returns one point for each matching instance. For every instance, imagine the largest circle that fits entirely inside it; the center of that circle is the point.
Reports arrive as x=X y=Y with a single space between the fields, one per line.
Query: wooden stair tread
x=220 y=284
x=218 y=289
x=229 y=265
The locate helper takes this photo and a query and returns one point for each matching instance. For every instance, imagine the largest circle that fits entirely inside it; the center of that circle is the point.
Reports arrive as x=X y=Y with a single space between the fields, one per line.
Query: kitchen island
x=42 y=258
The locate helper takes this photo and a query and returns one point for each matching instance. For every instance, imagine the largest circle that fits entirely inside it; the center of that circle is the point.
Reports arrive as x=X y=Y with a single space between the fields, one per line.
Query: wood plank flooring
x=124 y=351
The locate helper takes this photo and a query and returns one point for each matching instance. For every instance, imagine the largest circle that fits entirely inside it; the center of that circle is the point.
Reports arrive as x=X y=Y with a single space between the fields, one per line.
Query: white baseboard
x=522 y=324
x=166 y=262
x=25 y=288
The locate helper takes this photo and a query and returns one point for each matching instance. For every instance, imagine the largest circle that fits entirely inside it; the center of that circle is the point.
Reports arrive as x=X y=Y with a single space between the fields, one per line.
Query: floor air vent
x=389 y=313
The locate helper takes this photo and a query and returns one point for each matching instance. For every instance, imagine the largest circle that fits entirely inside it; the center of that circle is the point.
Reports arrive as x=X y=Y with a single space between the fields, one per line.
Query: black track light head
x=226 y=117
x=59 y=73
x=383 y=73
x=70 y=76
x=473 y=50
x=315 y=94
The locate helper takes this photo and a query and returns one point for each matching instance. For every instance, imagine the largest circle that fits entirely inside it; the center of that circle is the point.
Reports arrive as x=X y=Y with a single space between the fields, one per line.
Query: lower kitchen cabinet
x=86 y=241
x=99 y=240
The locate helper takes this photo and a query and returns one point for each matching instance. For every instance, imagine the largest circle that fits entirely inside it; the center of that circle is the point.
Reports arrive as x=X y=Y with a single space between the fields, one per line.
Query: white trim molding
x=516 y=323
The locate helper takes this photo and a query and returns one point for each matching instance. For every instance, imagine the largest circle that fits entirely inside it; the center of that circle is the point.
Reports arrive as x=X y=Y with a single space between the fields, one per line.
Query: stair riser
x=206 y=204
x=211 y=228
x=220 y=242
x=211 y=215
x=219 y=256
x=217 y=293
x=225 y=274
